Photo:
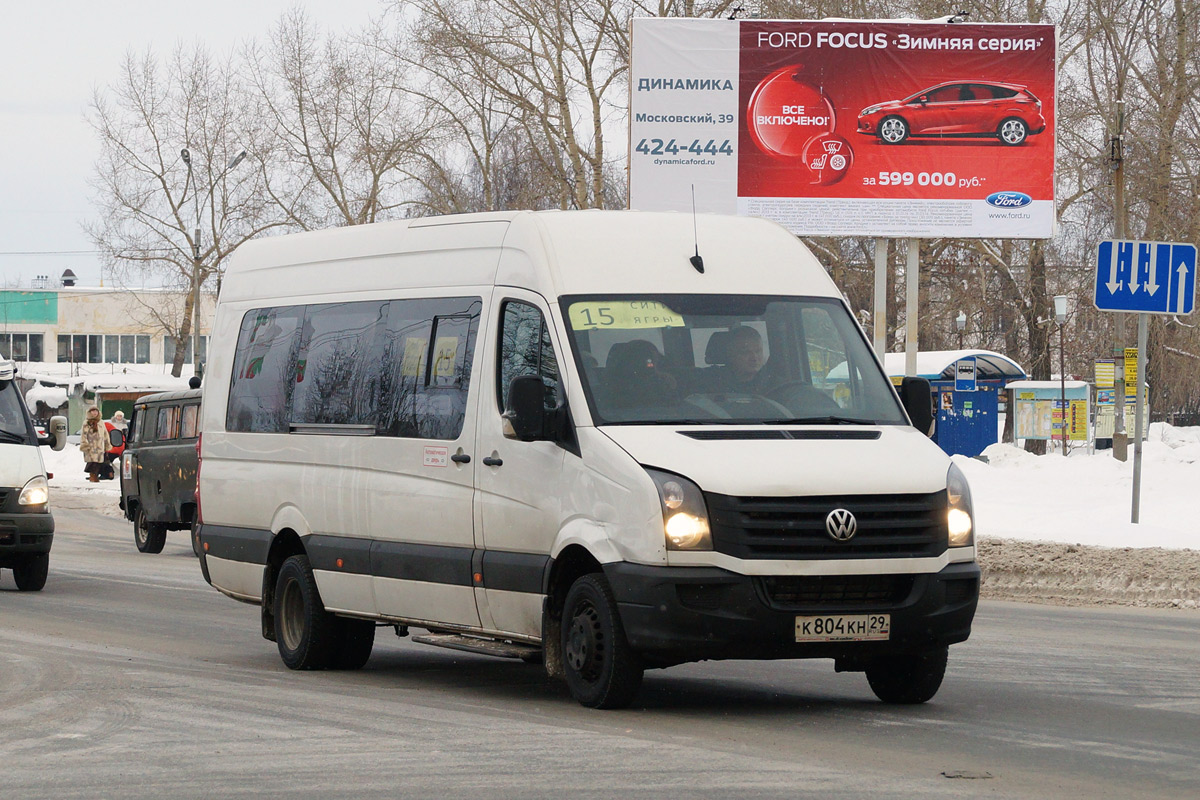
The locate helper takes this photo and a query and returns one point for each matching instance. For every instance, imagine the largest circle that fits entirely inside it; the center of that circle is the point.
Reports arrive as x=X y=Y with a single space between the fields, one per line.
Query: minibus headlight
x=35 y=493
x=960 y=518
x=685 y=516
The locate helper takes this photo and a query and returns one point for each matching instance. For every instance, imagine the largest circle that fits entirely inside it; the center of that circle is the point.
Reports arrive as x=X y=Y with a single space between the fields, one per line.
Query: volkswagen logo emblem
x=841 y=525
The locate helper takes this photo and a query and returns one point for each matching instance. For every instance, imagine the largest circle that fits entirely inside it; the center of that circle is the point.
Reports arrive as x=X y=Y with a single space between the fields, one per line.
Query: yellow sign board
x=1106 y=374
x=445 y=354
x=626 y=314
x=414 y=357
x=1131 y=374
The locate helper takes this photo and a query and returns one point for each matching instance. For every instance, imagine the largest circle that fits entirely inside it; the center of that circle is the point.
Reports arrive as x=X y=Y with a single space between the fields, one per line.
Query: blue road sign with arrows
x=1145 y=277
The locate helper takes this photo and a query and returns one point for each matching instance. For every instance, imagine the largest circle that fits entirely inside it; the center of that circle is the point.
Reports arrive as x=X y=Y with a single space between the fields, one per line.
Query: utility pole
x=1116 y=157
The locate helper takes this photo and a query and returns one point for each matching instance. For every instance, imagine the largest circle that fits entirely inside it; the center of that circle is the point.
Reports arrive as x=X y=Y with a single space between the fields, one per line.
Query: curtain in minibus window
x=264 y=370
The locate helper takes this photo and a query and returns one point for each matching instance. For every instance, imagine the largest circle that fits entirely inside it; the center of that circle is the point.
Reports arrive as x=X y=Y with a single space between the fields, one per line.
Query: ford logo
x=1009 y=199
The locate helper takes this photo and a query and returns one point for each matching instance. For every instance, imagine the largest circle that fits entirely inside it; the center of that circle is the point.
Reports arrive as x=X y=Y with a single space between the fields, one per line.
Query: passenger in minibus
x=635 y=377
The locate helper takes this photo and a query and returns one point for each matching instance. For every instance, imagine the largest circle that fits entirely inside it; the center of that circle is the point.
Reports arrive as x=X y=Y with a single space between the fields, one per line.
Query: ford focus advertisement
x=847 y=128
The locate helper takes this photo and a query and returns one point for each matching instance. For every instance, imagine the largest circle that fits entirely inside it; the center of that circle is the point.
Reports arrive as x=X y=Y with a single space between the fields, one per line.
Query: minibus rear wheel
x=908 y=679
x=601 y=668
x=306 y=633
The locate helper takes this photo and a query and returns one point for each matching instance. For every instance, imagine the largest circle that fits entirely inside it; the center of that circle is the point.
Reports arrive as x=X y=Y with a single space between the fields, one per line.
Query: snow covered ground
x=1084 y=499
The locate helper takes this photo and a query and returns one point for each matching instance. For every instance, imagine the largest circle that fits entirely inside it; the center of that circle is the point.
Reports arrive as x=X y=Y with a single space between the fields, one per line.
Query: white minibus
x=605 y=441
x=26 y=524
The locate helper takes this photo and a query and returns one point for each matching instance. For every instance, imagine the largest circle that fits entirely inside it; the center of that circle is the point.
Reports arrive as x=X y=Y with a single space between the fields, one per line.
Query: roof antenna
x=696 y=260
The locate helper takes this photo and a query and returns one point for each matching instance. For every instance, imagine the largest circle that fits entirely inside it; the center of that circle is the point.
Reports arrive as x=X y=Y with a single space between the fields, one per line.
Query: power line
x=49 y=252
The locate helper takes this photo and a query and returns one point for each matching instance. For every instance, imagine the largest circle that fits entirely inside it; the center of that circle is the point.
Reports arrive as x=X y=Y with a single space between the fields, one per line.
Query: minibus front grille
x=887 y=526
x=792 y=592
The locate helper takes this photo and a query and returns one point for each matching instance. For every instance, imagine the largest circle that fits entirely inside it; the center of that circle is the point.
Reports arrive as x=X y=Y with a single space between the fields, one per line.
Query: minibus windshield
x=726 y=359
x=13 y=427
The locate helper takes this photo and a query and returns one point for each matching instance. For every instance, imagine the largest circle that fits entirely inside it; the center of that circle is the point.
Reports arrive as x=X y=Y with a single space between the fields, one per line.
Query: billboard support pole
x=879 y=315
x=911 y=276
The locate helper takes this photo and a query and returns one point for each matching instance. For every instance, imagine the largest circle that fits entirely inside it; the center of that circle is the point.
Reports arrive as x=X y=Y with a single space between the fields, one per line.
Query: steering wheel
x=736 y=405
x=802 y=396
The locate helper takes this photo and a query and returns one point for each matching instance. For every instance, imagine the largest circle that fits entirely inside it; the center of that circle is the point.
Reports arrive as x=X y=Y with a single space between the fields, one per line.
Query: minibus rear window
x=726 y=359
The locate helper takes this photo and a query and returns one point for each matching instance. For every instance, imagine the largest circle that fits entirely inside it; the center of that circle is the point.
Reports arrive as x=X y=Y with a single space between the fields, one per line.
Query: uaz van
x=158 y=467
x=608 y=441
x=26 y=525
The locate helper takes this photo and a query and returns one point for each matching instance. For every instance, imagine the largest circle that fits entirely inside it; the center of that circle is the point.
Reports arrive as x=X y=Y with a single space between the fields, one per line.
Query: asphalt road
x=129 y=677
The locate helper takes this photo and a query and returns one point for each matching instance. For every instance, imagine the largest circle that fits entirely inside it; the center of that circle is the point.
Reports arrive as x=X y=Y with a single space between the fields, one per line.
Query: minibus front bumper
x=25 y=532
x=677 y=614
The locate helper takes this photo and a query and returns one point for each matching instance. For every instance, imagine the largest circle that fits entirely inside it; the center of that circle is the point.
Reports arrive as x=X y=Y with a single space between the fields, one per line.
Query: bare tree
x=554 y=70
x=173 y=203
x=341 y=129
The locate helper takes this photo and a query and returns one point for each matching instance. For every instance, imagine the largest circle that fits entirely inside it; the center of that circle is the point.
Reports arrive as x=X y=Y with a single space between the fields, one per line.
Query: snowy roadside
x=1082 y=575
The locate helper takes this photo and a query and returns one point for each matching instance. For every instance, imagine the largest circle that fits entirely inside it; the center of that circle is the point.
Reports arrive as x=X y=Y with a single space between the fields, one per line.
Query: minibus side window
x=427 y=349
x=264 y=370
x=339 y=368
x=525 y=349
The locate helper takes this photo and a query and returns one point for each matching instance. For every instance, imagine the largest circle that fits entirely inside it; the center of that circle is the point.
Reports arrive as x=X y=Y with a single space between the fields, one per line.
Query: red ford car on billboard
x=1007 y=111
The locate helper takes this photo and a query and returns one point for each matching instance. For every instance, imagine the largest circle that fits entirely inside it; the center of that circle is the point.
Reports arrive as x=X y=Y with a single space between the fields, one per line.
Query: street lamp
x=1060 y=316
x=185 y=154
x=960 y=322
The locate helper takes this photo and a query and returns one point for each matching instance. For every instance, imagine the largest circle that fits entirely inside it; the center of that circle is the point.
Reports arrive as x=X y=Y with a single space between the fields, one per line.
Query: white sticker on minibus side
x=437 y=456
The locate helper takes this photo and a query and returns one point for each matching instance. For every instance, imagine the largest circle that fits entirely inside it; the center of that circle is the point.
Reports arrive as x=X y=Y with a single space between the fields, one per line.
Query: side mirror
x=923 y=99
x=116 y=437
x=918 y=402
x=525 y=412
x=56 y=436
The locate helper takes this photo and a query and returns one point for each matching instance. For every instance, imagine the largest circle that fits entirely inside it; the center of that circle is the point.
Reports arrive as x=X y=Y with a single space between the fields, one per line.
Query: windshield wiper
x=825 y=420
x=9 y=436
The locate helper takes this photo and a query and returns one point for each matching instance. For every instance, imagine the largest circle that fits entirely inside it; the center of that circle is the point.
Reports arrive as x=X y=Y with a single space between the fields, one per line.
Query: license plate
x=844 y=628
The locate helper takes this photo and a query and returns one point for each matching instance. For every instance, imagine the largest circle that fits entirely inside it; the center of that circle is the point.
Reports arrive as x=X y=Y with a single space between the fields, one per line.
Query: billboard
x=891 y=129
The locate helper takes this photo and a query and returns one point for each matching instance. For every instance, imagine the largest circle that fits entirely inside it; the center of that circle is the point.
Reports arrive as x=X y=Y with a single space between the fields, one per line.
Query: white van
x=610 y=441
x=26 y=525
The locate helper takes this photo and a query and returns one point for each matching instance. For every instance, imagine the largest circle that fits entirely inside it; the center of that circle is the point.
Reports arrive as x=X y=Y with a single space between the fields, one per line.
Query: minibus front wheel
x=910 y=678
x=30 y=574
x=601 y=668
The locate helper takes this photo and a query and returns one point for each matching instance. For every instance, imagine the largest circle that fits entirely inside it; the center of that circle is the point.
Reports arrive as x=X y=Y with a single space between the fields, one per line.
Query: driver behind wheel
x=739 y=354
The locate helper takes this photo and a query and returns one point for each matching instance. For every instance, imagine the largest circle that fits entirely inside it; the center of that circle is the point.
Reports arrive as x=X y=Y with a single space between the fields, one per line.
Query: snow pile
x=66 y=377
x=52 y=396
x=1087 y=498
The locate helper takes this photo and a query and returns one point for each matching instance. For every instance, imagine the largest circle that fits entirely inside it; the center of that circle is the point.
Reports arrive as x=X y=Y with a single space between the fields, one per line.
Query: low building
x=96 y=325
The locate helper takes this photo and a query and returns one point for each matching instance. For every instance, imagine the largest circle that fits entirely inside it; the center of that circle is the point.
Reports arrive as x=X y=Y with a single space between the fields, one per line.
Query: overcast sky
x=52 y=54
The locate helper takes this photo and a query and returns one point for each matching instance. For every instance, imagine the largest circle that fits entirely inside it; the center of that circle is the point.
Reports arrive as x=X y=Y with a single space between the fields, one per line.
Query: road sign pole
x=1139 y=416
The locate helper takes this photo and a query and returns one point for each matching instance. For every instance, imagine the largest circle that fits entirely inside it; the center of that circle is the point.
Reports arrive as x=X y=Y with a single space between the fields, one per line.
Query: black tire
x=1012 y=132
x=306 y=633
x=602 y=670
x=148 y=536
x=893 y=130
x=908 y=679
x=356 y=637
x=30 y=574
